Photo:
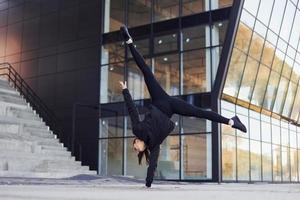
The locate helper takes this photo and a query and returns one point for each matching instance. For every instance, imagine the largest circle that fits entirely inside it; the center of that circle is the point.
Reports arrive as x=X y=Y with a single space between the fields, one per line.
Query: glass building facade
x=183 y=53
x=186 y=44
x=262 y=88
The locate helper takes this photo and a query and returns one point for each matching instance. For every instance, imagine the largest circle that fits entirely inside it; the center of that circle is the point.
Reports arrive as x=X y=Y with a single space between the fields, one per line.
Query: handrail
x=35 y=101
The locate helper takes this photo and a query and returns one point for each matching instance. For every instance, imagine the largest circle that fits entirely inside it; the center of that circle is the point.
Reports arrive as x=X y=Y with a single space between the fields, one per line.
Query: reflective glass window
x=260 y=85
x=271 y=90
x=277 y=15
x=165 y=9
x=266 y=161
x=243 y=36
x=228 y=157
x=166 y=70
x=264 y=11
x=195 y=37
x=197 y=158
x=194 y=72
x=242 y=159
x=283 y=85
x=168 y=160
x=276 y=152
x=255 y=154
x=192 y=7
x=139 y=12
x=248 y=79
x=234 y=73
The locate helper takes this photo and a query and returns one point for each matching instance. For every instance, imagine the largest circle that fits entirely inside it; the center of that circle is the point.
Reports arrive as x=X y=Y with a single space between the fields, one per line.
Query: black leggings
x=167 y=104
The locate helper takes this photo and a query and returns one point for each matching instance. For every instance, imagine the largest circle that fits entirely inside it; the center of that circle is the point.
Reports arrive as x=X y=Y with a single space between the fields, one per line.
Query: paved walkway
x=95 y=187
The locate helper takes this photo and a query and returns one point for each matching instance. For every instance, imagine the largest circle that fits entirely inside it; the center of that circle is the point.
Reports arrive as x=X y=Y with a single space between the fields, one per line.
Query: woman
x=157 y=125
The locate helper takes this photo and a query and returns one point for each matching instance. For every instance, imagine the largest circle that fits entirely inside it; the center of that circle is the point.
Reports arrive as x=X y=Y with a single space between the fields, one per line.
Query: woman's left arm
x=154 y=153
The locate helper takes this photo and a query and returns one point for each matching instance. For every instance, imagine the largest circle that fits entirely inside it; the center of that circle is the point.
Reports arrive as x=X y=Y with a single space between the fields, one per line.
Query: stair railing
x=7 y=72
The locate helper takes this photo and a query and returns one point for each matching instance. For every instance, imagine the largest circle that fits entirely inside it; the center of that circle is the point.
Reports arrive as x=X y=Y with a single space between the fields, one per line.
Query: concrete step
x=25 y=174
x=35 y=164
x=24 y=122
x=12 y=99
x=21 y=113
x=40 y=156
x=30 y=139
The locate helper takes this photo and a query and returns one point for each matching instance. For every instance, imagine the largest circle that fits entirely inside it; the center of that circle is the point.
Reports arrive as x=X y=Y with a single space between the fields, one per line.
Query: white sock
x=231 y=122
x=129 y=41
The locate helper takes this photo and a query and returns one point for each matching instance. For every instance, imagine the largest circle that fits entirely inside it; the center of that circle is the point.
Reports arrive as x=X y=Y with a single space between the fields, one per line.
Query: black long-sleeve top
x=152 y=130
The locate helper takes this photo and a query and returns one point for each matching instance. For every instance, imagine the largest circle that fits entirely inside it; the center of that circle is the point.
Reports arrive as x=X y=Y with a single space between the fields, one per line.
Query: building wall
x=54 y=45
x=262 y=87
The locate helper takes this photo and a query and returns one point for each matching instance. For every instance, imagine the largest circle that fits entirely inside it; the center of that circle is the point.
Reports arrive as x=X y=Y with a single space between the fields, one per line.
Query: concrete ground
x=110 y=188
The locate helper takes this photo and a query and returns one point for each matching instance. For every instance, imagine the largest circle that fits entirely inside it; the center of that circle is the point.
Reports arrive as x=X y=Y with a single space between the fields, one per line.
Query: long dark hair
x=142 y=153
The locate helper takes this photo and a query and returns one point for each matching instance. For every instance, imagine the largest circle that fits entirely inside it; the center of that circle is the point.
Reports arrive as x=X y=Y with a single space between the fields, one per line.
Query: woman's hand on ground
x=123 y=84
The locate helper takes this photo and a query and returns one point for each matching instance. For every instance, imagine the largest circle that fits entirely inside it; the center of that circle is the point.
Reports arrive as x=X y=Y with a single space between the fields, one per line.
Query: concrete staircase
x=27 y=147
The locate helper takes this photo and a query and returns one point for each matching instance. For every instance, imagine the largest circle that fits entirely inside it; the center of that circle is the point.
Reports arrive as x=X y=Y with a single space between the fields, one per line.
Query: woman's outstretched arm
x=154 y=153
x=138 y=127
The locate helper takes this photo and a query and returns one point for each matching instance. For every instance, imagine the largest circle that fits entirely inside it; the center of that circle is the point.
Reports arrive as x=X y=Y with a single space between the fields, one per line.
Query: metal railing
x=7 y=72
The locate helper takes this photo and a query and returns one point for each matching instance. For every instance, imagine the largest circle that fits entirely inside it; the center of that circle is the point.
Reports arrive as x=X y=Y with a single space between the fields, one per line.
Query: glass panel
x=277 y=15
x=225 y=128
x=271 y=90
x=234 y=73
x=284 y=137
x=242 y=158
x=194 y=72
x=293 y=159
x=197 y=156
x=195 y=37
x=268 y=54
x=254 y=129
x=276 y=163
x=192 y=6
x=266 y=131
x=112 y=126
x=251 y=6
x=260 y=85
x=139 y=12
x=135 y=82
x=218 y=32
x=289 y=99
x=165 y=43
x=228 y=157
x=168 y=160
x=165 y=9
x=132 y=167
x=112 y=53
x=111 y=155
x=222 y=4
x=278 y=61
x=295 y=31
x=287 y=21
x=296 y=73
x=248 y=80
x=167 y=73
x=255 y=154
x=287 y=67
x=256 y=46
x=114 y=15
x=195 y=125
x=264 y=12
x=247 y=19
x=280 y=95
x=296 y=107
x=110 y=77
x=285 y=156
x=275 y=134
x=266 y=161
x=243 y=36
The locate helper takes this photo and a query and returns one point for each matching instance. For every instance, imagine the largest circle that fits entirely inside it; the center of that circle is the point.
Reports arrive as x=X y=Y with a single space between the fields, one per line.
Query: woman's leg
x=154 y=88
x=183 y=108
